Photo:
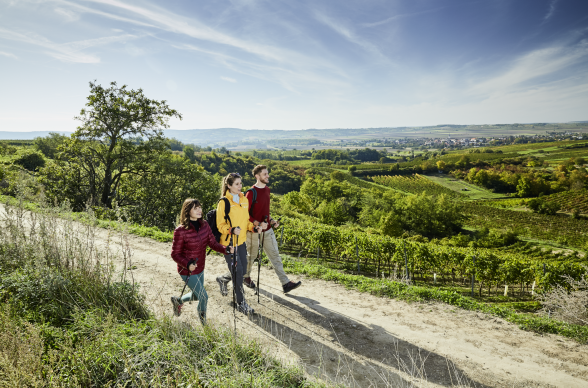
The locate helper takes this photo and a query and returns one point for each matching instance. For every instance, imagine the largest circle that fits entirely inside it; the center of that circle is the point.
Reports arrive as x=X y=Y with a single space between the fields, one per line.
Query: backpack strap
x=254 y=200
x=227 y=210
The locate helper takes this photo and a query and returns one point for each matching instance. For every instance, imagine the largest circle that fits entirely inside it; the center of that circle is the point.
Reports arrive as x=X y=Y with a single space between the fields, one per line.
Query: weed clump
x=569 y=302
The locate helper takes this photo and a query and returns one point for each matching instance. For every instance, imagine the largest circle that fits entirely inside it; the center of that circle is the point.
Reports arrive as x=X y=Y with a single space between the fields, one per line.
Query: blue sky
x=301 y=64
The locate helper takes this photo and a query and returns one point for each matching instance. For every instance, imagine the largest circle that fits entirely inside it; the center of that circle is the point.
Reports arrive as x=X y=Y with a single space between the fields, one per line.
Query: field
x=415 y=184
x=467 y=190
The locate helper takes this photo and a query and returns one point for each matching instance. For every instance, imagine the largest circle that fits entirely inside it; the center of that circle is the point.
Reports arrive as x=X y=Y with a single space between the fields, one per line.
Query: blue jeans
x=196 y=284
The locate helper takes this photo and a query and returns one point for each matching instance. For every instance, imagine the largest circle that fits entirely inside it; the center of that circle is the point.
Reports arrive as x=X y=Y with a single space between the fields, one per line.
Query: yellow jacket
x=239 y=215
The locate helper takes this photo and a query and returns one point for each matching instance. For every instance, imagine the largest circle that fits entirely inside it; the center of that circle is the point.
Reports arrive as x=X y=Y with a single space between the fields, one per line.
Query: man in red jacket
x=258 y=212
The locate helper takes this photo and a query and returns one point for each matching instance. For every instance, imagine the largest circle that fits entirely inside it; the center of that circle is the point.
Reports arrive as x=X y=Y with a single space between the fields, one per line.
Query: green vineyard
x=570 y=200
x=382 y=255
x=559 y=228
x=415 y=184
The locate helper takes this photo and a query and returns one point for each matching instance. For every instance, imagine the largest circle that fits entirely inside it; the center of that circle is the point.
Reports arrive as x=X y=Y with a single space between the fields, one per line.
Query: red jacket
x=189 y=245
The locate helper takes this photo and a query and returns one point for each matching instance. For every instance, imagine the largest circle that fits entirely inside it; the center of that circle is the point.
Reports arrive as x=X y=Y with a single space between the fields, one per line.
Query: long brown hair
x=189 y=204
x=228 y=181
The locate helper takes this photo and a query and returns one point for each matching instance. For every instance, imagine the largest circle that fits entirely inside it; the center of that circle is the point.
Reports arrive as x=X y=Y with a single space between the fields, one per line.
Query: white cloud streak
x=551 y=10
x=399 y=16
x=287 y=67
x=9 y=55
x=347 y=33
x=228 y=79
x=538 y=63
x=67 y=14
x=66 y=52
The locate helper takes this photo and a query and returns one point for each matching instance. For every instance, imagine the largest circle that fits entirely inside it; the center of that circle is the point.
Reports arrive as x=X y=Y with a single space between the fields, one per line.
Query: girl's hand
x=232 y=249
x=237 y=231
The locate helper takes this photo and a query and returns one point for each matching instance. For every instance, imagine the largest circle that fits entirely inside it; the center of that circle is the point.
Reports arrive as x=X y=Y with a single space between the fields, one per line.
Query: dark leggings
x=241 y=268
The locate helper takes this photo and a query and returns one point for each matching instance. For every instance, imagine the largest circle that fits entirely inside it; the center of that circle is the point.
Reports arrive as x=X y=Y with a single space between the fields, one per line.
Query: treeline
x=528 y=182
x=355 y=155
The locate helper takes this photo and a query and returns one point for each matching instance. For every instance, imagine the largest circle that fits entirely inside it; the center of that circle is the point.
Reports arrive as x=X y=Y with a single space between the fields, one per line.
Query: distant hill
x=27 y=135
x=256 y=138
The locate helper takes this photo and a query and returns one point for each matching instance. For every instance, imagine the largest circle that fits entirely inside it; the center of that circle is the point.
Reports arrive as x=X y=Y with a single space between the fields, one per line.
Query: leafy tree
x=541 y=206
x=49 y=145
x=120 y=135
x=175 y=144
x=189 y=153
x=334 y=213
x=155 y=198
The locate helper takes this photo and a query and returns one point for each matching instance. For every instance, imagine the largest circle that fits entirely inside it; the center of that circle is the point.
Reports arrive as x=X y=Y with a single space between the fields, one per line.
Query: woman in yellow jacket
x=233 y=232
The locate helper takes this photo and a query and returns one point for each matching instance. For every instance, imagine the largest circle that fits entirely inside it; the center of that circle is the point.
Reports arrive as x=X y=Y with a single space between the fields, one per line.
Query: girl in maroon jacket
x=191 y=238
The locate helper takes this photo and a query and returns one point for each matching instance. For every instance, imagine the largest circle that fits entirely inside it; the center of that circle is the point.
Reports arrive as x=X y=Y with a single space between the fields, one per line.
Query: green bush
x=30 y=160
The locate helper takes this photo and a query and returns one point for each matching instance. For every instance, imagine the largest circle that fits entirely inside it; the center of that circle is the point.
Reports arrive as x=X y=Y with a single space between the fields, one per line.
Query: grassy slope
x=473 y=192
x=67 y=322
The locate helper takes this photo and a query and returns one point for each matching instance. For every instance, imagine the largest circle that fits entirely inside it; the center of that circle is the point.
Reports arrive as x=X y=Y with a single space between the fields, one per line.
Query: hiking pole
x=260 y=256
x=185 y=284
x=234 y=275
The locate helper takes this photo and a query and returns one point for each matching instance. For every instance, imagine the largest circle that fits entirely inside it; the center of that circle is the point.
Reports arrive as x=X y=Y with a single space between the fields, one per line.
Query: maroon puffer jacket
x=190 y=245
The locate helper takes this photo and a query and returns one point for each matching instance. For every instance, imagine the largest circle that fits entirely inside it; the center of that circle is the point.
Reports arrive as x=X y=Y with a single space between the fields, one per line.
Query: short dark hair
x=259 y=168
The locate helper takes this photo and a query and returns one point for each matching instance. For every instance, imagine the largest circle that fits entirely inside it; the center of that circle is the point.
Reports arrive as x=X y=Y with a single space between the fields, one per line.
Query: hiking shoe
x=223 y=286
x=177 y=305
x=244 y=308
x=249 y=283
x=291 y=286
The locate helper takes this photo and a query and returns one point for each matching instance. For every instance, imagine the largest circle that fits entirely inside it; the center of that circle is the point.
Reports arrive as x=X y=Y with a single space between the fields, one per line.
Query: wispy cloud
x=291 y=79
x=399 y=16
x=9 y=55
x=66 y=52
x=228 y=79
x=551 y=10
x=67 y=14
x=546 y=62
x=346 y=32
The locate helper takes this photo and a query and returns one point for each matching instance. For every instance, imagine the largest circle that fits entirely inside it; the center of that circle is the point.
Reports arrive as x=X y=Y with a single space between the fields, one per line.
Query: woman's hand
x=191 y=267
x=258 y=229
x=237 y=230
x=232 y=249
x=263 y=225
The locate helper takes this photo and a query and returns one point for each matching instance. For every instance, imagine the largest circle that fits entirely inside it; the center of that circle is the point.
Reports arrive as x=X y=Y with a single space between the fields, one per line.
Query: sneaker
x=177 y=305
x=291 y=286
x=244 y=308
x=223 y=286
x=249 y=283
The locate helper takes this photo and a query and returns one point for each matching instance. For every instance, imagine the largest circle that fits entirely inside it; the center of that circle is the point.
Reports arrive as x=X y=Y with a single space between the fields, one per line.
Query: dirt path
x=361 y=340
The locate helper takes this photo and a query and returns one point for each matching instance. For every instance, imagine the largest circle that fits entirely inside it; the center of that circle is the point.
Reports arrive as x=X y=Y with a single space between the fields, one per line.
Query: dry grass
x=568 y=303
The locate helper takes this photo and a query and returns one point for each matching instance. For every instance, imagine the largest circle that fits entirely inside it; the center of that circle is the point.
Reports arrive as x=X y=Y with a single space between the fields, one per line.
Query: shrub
x=29 y=159
x=568 y=302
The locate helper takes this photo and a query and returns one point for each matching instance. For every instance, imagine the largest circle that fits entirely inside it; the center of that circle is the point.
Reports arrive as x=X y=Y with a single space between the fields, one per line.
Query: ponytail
x=228 y=181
